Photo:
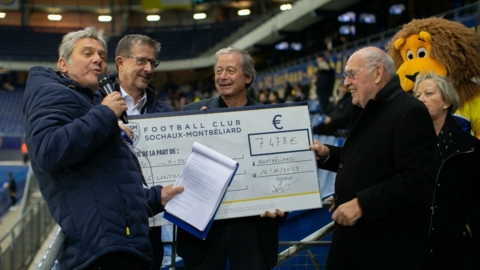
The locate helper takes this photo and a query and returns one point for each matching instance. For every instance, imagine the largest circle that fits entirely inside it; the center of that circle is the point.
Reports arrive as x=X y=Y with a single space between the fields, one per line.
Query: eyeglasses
x=142 y=61
x=351 y=74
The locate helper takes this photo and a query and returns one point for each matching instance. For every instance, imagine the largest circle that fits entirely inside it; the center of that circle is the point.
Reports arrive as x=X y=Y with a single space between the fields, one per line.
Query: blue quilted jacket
x=88 y=176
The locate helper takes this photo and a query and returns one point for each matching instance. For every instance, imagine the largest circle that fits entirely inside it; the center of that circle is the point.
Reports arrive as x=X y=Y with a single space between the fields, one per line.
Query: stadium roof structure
x=263 y=31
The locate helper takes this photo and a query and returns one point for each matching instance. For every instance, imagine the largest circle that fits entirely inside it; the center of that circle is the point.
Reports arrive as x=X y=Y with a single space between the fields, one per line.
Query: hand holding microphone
x=113 y=99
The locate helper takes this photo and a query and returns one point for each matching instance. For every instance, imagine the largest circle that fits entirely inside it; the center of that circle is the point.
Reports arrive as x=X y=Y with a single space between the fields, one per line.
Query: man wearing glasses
x=136 y=59
x=384 y=171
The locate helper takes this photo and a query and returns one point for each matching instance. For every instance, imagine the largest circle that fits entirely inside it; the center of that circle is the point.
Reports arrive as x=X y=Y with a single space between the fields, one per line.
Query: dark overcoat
x=194 y=250
x=456 y=201
x=387 y=163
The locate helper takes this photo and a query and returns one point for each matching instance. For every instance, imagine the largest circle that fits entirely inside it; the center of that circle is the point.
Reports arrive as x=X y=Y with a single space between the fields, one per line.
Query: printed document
x=205 y=176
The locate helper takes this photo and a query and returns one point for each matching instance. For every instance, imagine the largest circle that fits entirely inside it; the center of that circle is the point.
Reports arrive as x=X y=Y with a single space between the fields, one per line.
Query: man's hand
x=168 y=192
x=127 y=130
x=331 y=199
x=348 y=213
x=278 y=212
x=321 y=151
x=116 y=103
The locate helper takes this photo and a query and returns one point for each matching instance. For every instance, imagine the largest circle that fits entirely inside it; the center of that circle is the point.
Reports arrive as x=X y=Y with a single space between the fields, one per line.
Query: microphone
x=107 y=87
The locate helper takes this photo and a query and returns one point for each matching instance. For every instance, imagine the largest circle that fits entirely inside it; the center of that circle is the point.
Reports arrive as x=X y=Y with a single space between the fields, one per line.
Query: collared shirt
x=133 y=109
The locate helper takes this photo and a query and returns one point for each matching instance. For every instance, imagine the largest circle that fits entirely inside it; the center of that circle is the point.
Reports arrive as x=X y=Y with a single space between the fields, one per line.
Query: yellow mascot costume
x=447 y=48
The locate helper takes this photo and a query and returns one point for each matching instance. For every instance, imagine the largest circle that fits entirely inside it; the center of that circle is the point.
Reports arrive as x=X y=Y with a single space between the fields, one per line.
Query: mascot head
x=439 y=45
x=416 y=53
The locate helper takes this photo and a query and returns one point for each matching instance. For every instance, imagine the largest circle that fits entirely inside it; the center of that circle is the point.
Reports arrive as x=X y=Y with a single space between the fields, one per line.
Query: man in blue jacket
x=90 y=179
x=136 y=59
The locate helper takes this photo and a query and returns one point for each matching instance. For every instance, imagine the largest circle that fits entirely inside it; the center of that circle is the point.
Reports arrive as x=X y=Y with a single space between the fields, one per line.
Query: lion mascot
x=447 y=48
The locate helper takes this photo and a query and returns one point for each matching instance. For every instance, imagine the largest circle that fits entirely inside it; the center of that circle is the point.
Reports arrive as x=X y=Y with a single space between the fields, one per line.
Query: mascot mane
x=453 y=45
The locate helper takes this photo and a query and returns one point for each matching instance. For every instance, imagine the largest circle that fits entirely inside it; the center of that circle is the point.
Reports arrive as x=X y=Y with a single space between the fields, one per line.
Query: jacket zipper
x=127 y=217
x=435 y=188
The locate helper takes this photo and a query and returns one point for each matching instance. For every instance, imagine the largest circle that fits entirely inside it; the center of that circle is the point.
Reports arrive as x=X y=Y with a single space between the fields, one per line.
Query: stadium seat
x=339 y=141
x=11 y=115
x=322 y=138
x=322 y=178
x=317 y=119
x=329 y=185
x=314 y=107
x=330 y=140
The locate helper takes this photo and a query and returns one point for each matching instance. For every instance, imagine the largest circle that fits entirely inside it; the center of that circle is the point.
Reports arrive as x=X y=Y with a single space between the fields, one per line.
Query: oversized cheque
x=270 y=143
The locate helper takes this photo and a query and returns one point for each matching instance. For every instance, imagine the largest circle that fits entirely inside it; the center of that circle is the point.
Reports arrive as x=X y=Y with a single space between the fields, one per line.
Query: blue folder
x=191 y=229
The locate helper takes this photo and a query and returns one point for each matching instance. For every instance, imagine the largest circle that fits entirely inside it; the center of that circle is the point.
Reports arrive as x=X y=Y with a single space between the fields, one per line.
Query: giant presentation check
x=270 y=143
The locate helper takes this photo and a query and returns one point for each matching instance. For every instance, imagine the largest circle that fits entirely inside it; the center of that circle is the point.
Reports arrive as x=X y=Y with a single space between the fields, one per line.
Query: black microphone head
x=102 y=79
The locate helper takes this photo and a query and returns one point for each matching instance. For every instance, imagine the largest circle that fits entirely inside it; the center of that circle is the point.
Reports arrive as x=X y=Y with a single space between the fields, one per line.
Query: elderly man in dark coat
x=384 y=171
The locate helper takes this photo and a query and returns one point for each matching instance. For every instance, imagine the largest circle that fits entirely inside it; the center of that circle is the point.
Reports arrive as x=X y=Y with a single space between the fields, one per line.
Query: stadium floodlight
x=285 y=7
x=347 y=17
x=3 y=14
x=397 y=9
x=153 y=18
x=199 y=16
x=243 y=12
x=104 y=18
x=54 y=17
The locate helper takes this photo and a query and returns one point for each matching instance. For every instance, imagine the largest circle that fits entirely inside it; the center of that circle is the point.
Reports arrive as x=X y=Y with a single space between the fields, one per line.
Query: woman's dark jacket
x=455 y=202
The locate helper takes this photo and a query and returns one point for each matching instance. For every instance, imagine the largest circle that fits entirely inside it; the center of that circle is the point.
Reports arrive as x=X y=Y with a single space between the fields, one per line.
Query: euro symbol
x=276 y=122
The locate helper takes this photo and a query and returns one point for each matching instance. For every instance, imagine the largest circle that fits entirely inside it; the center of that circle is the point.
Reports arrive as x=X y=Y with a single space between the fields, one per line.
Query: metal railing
x=50 y=257
x=296 y=247
x=20 y=244
x=286 y=257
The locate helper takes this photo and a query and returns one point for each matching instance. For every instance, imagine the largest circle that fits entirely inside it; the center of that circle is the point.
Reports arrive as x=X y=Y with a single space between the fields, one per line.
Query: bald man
x=384 y=171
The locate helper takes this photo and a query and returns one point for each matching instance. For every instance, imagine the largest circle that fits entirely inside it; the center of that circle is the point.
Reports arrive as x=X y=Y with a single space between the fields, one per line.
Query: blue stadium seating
x=317 y=119
x=328 y=189
x=181 y=42
x=326 y=179
x=12 y=121
x=339 y=141
x=329 y=140
x=25 y=44
x=314 y=107
x=322 y=180
x=178 y=42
